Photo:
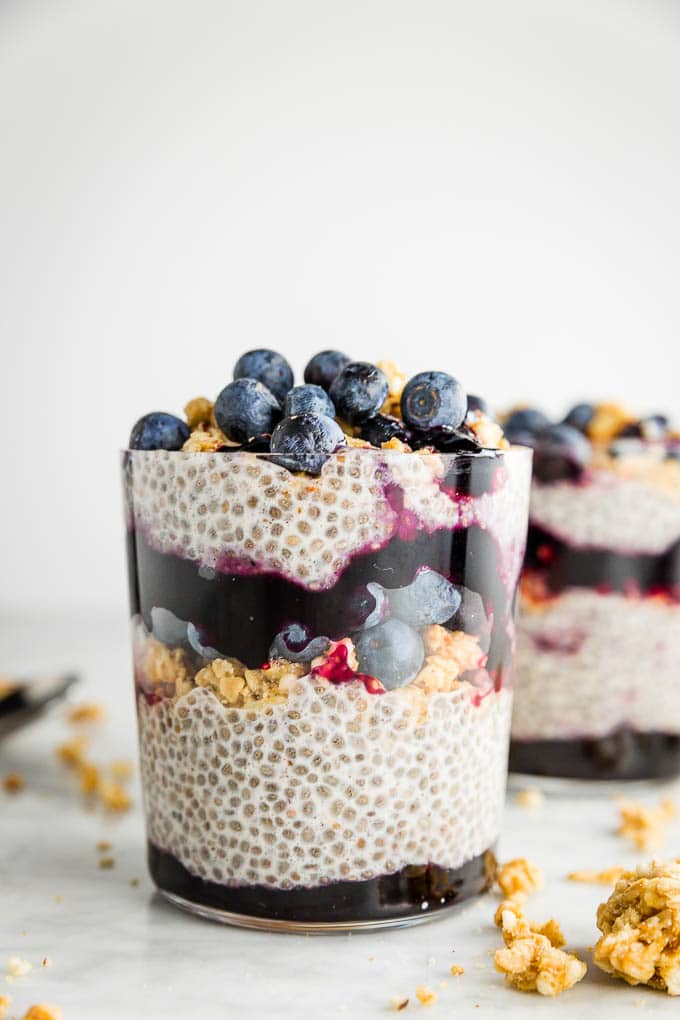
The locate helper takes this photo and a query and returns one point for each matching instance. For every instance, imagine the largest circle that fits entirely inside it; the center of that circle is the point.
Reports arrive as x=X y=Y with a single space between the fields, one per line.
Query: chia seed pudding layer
x=597 y=683
x=268 y=772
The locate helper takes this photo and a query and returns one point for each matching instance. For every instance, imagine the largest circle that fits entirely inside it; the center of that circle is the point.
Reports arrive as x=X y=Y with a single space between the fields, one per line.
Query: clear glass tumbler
x=323 y=678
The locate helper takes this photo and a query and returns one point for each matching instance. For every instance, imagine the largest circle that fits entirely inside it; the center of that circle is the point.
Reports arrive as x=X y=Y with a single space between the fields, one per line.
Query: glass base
x=624 y=755
x=411 y=896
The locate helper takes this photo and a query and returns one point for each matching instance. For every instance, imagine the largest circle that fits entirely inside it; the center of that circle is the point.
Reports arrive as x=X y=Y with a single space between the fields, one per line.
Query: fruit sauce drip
x=337 y=670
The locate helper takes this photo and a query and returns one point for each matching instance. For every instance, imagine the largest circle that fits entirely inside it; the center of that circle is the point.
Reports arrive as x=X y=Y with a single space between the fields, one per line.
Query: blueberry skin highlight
x=359 y=391
x=245 y=409
x=433 y=400
x=308 y=399
x=158 y=431
x=269 y=368
x=430 y=598
x=393 y=652
x=381 y=428
x=322 y=369
x=305 y=442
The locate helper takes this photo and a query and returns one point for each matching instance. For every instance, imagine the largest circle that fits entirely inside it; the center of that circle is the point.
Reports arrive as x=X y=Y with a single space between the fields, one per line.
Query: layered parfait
x=322 y=580
x=598 y=661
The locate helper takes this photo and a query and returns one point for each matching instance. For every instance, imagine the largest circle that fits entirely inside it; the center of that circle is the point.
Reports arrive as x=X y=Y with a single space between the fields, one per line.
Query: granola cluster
x=640 y=925
x=645 y=826
x=237 y=686
x=532 y=959
x=519 y=877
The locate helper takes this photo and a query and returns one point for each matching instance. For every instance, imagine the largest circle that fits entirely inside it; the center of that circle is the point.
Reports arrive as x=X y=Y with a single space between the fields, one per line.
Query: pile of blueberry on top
x=342 y=401
x=562 y=450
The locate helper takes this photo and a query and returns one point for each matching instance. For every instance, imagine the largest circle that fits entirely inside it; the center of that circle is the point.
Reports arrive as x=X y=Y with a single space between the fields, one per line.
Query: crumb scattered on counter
x=398 y=1003
x=103 y=846
x=530 y=961
x=645 y=826
x=134 y=882
x=425 y=996
x=5 y=1003
x=87 y=712
x=16 y=967
x=519 y=876
x=121 y=770
x=46 y=961
x=110 y=793
x=107 y=863
x=43 y=1011
x=456 y=969
x=607 y=877
x=531 y=799
x=13 y=782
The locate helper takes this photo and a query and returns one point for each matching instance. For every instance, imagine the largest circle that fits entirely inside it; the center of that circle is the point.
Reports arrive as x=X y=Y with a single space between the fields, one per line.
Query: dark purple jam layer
x=621 y=755
x=240 y=613
x=564 y=566
x=408 y=892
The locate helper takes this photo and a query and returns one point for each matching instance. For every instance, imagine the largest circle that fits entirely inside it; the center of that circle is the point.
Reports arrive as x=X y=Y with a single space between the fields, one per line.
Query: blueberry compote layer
x=408 y=893
x=623 y=754
x=322 y=668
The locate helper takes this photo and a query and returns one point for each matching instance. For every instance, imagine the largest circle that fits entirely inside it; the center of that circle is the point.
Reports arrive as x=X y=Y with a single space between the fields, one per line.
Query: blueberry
x=433 y=400
x=367 y=606
x=652 y=429
x=580 y=417
x=381 y=428
x=308 y=399
x=448 y=440
x=393 y=652
x=246 y=408
x=323 y=368
x=523 y=421
x=269 y=368
x=305 y=442
x=295 y=643
x=258 y=444
x=359 y=391
x=429 y=598
x=475 y=403
x=195 y=639
x=159 y=431
x=560 y=452
x=471 y=616
x=167 y=627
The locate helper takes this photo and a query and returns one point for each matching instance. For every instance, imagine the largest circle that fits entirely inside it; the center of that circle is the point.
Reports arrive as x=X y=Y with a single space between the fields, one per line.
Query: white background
x=486 y=187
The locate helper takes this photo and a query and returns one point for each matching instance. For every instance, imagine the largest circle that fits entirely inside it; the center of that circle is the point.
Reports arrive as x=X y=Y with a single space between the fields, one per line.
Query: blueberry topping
x=526 y=420
x=159 y=431
x=383 y=427
x=295 y=643
x=580 y=417
x=197 y=642
x=393 y=652
x=359 y=391
x=433 y=400
x=429 y=598
x=167 y=627
x=305 y=442
x=269 y=368
x=246 y=408
x=323 y=368
x=560 y=452
x=651 y=429
x=475 y=403
x=309 y=399
x=368 y=606
x=257 y=444
x=447 y=440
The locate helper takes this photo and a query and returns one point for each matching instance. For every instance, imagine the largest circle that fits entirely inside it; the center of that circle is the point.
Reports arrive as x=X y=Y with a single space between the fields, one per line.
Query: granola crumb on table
x=640 y=925
x=425 y=996
x=645 y=825
x=519 y=876
x=43 y=1011
x=5 y=1003
x=86 y=712
x=607 y=877
x=13 y=782
x=398 y=1003
x=530 y=961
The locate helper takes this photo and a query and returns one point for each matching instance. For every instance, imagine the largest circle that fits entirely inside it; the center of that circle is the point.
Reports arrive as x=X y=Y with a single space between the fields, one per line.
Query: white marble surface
x=118 y=951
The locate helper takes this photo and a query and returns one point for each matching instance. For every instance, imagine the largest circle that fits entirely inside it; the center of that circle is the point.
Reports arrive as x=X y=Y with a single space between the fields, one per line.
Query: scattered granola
x=87 y=712
x=46 y=961
x=43 y=1011
x=16 y=967
x=103 y=846
x=456 y=969
x=114 y=797
x=644 y=825
x=519 y=876
x=531 y=799
x=121 y=770
x=111 y=795
x=13 y=782
x=107 y=863
x=72 y=752
x=425 y=996
x=397 y=1003
x=134 y=882
x=607 y=877
x=530 y=960
x=640 y=925
x=207 y=438
x=5 y=1003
